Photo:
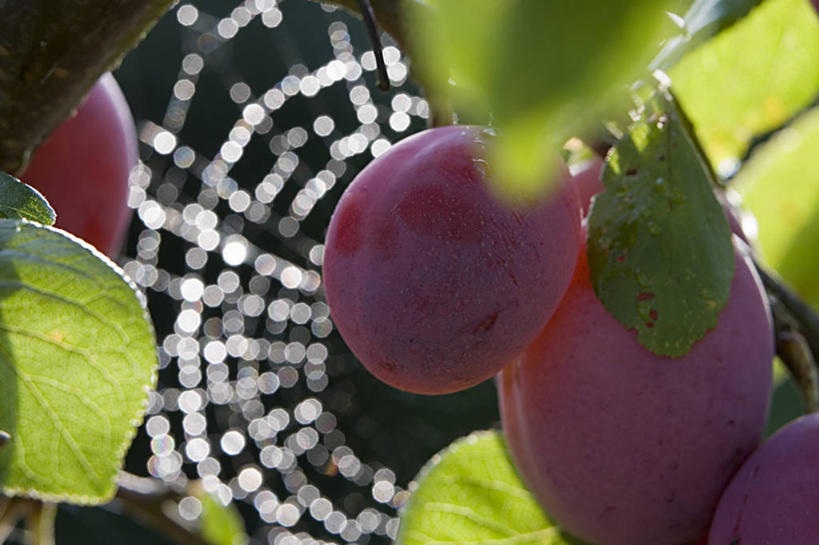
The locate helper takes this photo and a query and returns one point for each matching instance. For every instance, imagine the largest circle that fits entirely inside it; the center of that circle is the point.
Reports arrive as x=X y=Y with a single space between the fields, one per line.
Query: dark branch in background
x=40 y=523
x=793 y=350
x=378 y=50
x=386 y=12
x=803 y=314
x=51 y=54
x=153 y=502
x=392 y=16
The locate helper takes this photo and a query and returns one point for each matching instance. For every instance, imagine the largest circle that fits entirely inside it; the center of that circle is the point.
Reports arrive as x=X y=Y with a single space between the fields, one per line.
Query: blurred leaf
x=78 y=357
x=751 y=78
x=702 y=20
x=21 y=201
x=660 y=248
x=780 y=186
x=544 y=71
x=220 y=524
x=471 y=493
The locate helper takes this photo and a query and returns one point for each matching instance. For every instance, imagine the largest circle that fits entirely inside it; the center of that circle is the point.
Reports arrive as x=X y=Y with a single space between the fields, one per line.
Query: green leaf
x=544 y=71
x=471 y=494
x=220 y=524
x=21 y=201
x=77 y=358
x=659 y=249
x=751 y=78
x=702 y=20
x=780 y=186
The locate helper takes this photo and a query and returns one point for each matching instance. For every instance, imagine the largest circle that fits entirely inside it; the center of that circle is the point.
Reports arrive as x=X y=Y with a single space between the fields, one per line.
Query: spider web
x=249 y=132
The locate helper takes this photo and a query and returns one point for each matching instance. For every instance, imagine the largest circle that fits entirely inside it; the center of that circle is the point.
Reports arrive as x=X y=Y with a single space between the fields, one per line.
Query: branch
x=804 y=315
x=40 y=523
x=11 y=511
x=393 y=16
x=388 y=13
x=151 y=502
x=51 y=54
x=793 y=350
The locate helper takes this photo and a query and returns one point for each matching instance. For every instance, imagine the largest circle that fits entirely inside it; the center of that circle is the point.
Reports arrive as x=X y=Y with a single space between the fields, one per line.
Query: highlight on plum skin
x=82 y=168
x=432 y=282
x=622 y=447
x=586 y=180
x=773 y=498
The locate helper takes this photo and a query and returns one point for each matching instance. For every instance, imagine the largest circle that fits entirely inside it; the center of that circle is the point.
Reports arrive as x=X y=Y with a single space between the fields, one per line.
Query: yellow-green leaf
x=471 y=494
x=751 y=78
x=77 y=358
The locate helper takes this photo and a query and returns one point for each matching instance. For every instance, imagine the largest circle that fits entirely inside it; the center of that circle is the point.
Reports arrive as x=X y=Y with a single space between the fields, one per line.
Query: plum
x=82 y=169
x=773 y=498
x=432 y=281
x=623 y=447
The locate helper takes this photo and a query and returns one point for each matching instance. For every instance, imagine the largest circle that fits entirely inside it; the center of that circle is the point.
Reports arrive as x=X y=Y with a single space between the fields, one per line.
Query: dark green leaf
x=750 y=79
x=702 y=20
x=470 y=493
x=660 y=251
x=78 y=358
x=21 y=201
x=545 y=71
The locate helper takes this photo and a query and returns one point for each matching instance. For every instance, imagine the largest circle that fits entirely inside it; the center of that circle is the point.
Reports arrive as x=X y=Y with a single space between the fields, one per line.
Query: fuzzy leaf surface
x=21 y=201
x=77 y=358
x=471 y=493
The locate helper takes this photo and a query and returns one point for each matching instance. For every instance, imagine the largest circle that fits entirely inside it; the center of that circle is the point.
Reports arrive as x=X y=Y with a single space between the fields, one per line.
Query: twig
x=40 y=523
x=11 y=511
x=378 y=50
x=387 y=12
x=793 y=350
x=805 y=316
x=150 y=501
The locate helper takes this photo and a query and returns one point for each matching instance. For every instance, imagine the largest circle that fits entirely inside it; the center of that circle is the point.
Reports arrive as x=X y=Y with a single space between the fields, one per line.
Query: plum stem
x=392 y=17
x=368 y=16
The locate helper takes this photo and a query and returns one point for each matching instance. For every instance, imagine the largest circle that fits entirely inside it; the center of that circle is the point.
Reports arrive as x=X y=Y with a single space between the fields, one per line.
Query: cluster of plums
x=436 y=285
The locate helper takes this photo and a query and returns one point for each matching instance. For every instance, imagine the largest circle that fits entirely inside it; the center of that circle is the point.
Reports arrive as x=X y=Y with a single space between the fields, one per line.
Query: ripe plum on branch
x=433 y=282
x=623 y=447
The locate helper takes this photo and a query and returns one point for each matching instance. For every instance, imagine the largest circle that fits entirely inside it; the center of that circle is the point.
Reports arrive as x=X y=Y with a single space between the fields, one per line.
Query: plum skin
x=82 y=168
x=622 y=447
x=432 y=282
x=773 y=498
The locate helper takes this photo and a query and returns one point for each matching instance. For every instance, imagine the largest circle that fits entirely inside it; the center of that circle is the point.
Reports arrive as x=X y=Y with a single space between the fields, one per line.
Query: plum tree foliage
x=634 y=367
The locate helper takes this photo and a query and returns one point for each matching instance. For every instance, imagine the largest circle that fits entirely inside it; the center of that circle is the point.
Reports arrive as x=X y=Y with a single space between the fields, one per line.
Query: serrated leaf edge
x=138 y=417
